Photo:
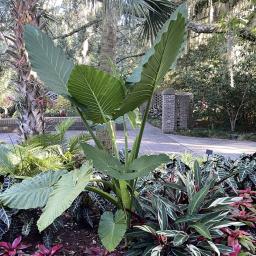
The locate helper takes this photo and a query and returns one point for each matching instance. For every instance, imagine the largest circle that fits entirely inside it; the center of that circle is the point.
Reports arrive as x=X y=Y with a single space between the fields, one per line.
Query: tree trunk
x=30 y=102
x=191 y=7
x=233 y=124
x=211 y=11
x=107 y=61
x=108 y=40
x=230 y=56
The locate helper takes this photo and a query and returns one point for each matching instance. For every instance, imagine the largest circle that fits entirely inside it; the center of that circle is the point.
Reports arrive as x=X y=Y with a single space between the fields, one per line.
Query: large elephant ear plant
x=99 y=98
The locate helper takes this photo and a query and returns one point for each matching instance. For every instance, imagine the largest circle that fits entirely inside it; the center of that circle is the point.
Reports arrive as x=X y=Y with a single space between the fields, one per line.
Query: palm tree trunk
x=211 y=11
x=230 y=56
x=107 y=61
x=108 y=40
x=30 y=102
x=191 y=9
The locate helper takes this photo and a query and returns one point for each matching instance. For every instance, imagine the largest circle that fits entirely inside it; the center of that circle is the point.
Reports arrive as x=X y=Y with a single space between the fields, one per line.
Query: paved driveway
x=156 y=142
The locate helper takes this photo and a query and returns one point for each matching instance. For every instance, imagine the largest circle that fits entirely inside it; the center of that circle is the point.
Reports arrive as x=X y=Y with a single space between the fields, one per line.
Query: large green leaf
x=147 y=229
x=224 y=201
x=145 y=164
x=213 y=218
x=189 y=218
x=214 y=247
x=162 y=214
x=172 y=233
x=97 y=91
x=156 y=62
x=156 y=251
x=227 y=223
x=48 y=61
x=112 y=229
x=198 y=198
x=252 y=176
x=65 y=191
x=111 y=166
x=180 y=239
x=202 y=230
x=102 y=160
x=6 y=165
x=31 y=193
x=197 y=174
x=194 y=251
x=246 y=169
x=171 y=208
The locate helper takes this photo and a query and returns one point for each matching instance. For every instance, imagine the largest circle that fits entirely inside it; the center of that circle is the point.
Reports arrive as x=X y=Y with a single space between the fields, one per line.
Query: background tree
x=218 y=67
x=86 y=41
x=30 y=101
x=205 y=72
x=154 y=13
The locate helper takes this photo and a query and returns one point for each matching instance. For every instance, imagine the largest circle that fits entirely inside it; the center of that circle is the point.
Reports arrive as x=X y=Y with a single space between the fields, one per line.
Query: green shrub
x=197 y=210
x=247 y=136
x=40 y=153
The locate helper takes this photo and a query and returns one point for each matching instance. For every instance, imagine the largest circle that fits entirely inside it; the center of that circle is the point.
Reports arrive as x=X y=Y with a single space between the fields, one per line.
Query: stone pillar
x=184 y=111
x=169 y=123
x=142 y=108
x=104 y=137
x=191 y=107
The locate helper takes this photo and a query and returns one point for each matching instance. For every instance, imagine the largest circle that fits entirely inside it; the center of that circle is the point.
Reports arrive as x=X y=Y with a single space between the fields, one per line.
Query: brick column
x=104 y=137
x=184 y=111
x=191 y=107
x=169 y=123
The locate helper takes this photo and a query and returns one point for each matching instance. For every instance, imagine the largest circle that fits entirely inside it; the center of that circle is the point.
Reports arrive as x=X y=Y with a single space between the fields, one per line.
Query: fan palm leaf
x=154 y=13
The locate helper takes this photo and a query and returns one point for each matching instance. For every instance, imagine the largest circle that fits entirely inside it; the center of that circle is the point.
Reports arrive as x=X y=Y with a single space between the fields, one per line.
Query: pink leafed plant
x=14 y=248
x=234 y=237
x=99 y=251
x=44 y=251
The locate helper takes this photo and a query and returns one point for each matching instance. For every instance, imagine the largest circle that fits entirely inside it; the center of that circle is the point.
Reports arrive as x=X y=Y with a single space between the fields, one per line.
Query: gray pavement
x=156 y=142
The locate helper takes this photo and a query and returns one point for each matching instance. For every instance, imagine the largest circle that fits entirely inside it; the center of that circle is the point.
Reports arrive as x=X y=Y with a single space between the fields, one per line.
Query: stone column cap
x=180 y=93
x=169 y=91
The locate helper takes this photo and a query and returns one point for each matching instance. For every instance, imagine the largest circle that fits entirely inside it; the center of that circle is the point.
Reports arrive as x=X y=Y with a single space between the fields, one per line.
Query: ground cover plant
x=191 y=211
x=185 y=209
x=17 y=247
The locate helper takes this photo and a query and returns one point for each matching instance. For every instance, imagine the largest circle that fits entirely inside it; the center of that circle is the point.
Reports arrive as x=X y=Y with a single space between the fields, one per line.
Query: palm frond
x=50 y=139
x=153 y=13
x=74 y=142
x=158 y=13
x=63 y=127
x=43 y=140
x=30 y=160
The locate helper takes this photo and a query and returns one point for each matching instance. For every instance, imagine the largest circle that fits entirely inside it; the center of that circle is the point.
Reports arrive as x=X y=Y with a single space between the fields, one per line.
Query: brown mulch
x=75 y=240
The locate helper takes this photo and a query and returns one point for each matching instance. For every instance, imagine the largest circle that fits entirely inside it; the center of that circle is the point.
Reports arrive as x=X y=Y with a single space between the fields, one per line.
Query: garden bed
x=163 y=199
x=73 y=240
x=218 y=134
